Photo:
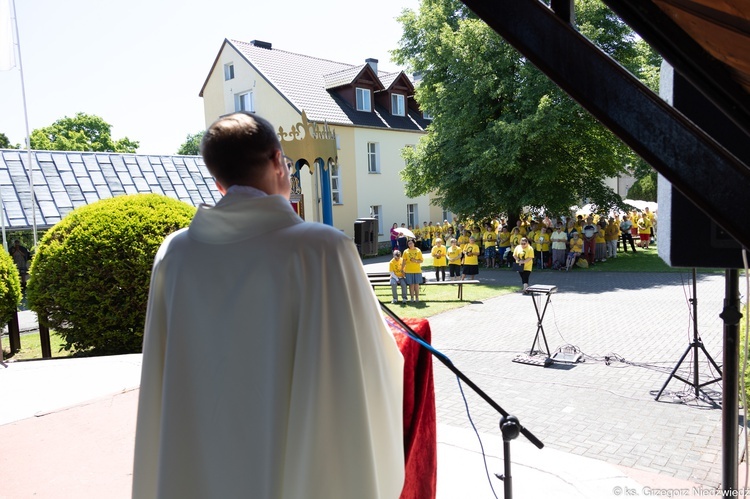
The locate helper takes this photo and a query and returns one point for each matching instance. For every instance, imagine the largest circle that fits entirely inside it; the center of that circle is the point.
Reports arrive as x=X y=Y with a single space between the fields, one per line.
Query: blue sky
x=140 y=64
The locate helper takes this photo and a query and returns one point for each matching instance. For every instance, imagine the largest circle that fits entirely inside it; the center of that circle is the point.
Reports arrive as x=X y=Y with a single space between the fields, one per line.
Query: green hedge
x=91 y=272
x=10 y=287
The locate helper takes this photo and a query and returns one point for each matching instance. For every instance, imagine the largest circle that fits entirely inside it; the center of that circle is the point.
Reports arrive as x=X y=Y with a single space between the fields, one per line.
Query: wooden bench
x=384 y=279
x=460 y=285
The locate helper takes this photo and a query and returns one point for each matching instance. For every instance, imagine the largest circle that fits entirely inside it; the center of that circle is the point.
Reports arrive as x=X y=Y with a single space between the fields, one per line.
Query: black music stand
x=537 y=292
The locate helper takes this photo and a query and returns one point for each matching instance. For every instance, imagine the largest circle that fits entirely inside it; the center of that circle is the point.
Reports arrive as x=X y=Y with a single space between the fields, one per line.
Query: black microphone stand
x=510 y=426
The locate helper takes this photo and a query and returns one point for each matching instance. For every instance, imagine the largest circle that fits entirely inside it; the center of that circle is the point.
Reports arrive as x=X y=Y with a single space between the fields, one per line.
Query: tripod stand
x=696 y=345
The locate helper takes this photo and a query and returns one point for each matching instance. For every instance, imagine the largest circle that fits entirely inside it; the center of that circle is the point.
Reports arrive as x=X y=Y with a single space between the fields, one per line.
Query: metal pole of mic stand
x=509 y=425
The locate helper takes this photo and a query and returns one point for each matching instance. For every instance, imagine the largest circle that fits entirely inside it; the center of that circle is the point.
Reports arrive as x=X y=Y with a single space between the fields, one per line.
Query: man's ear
x=279 y=162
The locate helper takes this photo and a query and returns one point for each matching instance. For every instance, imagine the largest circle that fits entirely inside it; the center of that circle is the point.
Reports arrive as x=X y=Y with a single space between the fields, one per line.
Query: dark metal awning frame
x=697 y=166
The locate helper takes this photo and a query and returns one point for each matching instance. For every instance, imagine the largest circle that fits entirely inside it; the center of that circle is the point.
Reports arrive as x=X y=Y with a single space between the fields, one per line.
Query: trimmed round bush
x=90 y=275
x=10 y=287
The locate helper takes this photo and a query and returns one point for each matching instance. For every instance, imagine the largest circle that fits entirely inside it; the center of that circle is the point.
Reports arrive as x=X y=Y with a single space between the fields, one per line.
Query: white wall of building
x=385 y=188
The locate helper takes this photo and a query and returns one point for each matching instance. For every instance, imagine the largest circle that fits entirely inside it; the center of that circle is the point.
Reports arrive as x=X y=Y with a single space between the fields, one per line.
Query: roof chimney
x=260 y=44
x=373 y=64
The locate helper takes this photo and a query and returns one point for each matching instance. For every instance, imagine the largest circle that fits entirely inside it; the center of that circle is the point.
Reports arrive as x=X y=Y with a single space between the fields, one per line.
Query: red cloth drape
x=420 y=437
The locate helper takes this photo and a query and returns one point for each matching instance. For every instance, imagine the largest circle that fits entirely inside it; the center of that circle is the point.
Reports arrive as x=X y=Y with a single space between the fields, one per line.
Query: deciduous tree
x=503 y=136
x=192 y=145
x=83 y=132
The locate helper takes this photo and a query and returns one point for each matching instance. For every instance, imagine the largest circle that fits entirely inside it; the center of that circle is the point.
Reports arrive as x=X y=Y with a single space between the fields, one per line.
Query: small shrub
x=10 y=287
x=90 y=274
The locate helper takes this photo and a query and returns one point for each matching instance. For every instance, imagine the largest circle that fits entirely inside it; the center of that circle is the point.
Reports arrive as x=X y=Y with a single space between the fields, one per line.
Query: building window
x=397 y=105
x=373 y=159
x=244 y=102
x=363 y=100
x=376 y=213
x=426 y=115
x=447 y=215
x=412 y=217
x=229 y=71
x=335 y=184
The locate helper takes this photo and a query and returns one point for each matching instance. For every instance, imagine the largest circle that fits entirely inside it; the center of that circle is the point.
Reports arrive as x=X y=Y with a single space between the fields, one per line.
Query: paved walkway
x=599 y=421
x=599 y=409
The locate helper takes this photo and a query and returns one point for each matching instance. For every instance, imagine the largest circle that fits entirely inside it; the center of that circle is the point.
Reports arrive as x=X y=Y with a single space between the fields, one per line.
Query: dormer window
x=364 y=100
x=397 y=105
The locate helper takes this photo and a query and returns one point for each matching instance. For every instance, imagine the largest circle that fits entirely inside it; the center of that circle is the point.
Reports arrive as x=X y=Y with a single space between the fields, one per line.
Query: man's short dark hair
x=236 y=147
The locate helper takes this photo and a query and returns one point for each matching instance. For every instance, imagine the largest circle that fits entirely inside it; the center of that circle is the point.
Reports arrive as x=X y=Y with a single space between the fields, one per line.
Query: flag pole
x=26 y=121
x=7 y=61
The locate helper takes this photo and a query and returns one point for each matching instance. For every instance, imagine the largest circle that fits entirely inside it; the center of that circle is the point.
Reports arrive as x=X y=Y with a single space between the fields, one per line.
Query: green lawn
x=437 y=299
x=31 y=347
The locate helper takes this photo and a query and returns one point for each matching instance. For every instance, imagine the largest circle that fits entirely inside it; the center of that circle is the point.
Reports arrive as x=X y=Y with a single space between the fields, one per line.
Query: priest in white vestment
x=268 y=370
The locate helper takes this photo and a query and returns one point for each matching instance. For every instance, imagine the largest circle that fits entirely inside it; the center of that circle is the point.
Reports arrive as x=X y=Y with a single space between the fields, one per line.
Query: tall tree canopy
x=503 y=136
x=192 y=145
x=83 y=132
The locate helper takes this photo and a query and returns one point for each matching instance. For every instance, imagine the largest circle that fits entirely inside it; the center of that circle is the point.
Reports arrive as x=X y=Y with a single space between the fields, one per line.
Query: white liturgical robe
x=268 y=370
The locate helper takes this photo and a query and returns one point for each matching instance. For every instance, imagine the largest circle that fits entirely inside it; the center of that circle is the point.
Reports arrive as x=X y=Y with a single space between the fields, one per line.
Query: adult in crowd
x=601 y=241
x=394 y=237
x=543 y=242
x=627 y=235
x=397 y=276
x=401 y=240
x=612 y=236
x=559 y=245
x=453 y=252
x=301 y=394
x=589 y=230
x=463 y=239
x=570 y=228
x=427 y=236
x=503 y=245
x=471 y=259
x=439 y=259
x=644 y=230
x=490 y=243
x=524 y=256
x=412 y=268
x=652 y=218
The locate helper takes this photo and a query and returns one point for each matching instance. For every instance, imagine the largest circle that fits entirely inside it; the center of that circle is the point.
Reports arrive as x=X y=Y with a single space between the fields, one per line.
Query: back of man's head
x=236 y=148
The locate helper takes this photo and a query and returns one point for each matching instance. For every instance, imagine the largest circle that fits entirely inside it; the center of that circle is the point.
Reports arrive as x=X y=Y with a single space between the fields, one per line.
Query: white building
x=373 y=113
